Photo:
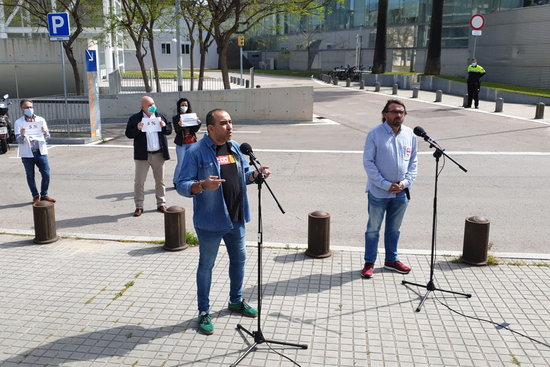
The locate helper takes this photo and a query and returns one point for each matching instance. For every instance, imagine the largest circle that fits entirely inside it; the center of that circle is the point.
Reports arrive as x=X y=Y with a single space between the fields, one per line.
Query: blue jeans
x=180 y=153
x=41 y=161
x=209 y=242
x=394 y=209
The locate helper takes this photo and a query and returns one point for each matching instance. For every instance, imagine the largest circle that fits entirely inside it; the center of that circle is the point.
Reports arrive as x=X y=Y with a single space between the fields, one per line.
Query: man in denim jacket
x=215 y=174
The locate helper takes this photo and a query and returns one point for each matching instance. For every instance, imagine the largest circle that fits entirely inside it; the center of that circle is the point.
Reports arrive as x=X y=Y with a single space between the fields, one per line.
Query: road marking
x=327 y=151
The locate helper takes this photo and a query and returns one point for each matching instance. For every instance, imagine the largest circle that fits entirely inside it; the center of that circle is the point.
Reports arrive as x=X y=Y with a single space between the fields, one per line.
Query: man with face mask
x=31 y=134
x=475 y=72
x=149 y=128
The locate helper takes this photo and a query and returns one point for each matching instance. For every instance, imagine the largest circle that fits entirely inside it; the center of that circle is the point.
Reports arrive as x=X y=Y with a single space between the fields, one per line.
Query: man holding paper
x=31 y=133
x=149 y=128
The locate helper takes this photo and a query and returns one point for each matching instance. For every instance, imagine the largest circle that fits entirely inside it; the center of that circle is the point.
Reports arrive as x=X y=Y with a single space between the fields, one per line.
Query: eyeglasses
x=397 y=112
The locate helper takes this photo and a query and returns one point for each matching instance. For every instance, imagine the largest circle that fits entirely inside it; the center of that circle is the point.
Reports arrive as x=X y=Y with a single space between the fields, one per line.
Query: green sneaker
x=205 y=324
x=243 y=308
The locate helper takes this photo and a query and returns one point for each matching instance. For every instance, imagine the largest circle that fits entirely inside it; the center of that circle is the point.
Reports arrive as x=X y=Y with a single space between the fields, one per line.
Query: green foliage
x=191 y=239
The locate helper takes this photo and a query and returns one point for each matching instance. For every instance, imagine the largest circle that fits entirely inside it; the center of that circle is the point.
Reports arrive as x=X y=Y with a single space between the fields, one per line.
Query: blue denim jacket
x=210 y=211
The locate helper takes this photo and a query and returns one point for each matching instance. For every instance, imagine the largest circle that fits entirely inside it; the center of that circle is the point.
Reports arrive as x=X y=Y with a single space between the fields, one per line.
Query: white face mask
x=474 y=64
x=183 y=109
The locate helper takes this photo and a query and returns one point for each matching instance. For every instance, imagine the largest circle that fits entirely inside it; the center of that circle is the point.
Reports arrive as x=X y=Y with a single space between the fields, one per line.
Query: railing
x=69 y=119
x=136 y=85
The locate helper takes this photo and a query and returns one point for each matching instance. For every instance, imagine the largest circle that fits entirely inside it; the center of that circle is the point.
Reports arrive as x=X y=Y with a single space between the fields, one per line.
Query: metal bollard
x=499 y=105
x=348 y=82
x=335 y=81
x=232 y=79
x=362 y=84
x=539 y=113
x=247 y=83
x=258 y=86
x=394 y=89
x=465 y=101
x=476 y=241
x=318 y=236
x=438 y=95
x=415 y=92
x=174 y=229
x=377 y=87
x=44 y=222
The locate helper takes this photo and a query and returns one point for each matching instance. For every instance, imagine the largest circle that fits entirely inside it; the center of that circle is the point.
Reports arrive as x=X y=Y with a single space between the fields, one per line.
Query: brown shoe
x=138 y=212
x=35 y=199
x=368 y=271
x=162 y=208
x=47 y=198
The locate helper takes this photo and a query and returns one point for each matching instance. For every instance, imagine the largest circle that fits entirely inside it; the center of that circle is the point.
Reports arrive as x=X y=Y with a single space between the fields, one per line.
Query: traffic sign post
x=59 y=29
x=240 y=43
x=93 y=94
x=477 y=21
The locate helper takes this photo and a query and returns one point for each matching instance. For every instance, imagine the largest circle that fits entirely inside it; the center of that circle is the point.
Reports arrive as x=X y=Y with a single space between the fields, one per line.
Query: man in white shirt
x=31 y=134
x=149 y=128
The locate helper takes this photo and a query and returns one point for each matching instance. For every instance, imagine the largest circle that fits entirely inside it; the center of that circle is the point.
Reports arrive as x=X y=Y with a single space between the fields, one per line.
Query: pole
x=475 y=42
x=241 y=60
x=65 y=89
x=178 y=47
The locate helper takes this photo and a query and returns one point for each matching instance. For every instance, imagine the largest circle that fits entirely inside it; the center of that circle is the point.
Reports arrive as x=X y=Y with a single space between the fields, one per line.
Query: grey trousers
x=156 y=162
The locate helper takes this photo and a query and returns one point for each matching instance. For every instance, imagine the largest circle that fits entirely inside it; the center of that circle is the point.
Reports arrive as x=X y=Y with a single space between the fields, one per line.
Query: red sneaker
x=397 y=266
x=367 y=271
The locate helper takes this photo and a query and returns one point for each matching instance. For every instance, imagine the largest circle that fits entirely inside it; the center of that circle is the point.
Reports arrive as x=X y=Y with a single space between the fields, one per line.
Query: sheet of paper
x=34 y=130
x=151 y=125
x=189 y=119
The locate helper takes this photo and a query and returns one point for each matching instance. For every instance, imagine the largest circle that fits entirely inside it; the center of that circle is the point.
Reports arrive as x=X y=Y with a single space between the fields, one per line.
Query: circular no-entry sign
x=477 y=21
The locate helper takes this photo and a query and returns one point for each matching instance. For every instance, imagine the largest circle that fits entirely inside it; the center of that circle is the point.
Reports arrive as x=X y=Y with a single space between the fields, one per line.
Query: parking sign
x=58 y=26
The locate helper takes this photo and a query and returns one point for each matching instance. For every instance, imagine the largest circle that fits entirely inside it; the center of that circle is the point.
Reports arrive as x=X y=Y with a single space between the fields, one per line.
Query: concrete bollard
x=362 y=84
x=539 y=112
x=394 y=89
x=232 y=79
x=44 y=222
x=335 y=81
x=258 y=86
x=318 y=235
x=476 y=241
x=465 y=101
x=499 y=104
x=348 y=82
x=438 y=95
x=415 y=92
x=174 y=229
x=247 y=83
x=377 y=87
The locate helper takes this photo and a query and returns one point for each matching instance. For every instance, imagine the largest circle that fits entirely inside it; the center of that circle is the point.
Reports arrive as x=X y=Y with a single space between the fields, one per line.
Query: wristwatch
x=201 y=189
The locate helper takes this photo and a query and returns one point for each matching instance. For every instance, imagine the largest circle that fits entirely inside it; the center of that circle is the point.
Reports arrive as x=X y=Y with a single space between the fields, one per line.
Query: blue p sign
x=58 y=26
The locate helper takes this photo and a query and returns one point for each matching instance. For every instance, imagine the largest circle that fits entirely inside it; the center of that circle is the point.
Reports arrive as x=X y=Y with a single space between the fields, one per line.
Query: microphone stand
x=258 y=335
x=431 y=286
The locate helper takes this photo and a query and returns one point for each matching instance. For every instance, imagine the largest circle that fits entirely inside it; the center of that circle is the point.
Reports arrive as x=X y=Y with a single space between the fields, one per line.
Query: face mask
x=474 y=64
x=152 y=109
x=29 y=112
x=183 y=109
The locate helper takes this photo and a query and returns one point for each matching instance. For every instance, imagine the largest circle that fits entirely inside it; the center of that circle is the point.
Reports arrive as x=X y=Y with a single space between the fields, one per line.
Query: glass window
x=165 y=48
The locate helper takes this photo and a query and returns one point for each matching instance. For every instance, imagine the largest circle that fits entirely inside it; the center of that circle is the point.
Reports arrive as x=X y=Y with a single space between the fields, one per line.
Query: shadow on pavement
x=93 y=220
x=94 y=345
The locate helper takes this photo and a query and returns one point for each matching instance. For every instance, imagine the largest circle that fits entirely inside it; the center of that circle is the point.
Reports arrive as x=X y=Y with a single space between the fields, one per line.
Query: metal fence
x=136 y=85
x=72 y=118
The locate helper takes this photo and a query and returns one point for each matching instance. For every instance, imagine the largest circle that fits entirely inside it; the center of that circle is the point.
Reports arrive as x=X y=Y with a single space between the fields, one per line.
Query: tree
x=231 y=17
x=433 y=59
x=379 y=59
x=79 y=11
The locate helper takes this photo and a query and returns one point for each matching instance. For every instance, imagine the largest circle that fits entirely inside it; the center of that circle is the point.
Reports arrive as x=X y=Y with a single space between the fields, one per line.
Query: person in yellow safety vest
x=475 y=72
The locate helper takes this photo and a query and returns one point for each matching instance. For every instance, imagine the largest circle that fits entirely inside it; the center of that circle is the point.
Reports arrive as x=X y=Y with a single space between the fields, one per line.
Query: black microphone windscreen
x=419 y=131
x=245 y=148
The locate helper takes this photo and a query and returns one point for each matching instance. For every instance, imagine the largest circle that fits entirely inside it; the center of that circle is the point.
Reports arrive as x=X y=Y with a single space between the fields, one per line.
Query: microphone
x=247 y=150
x=419 y=131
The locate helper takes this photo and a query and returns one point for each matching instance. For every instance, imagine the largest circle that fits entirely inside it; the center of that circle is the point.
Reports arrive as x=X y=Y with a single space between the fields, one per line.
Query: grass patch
x=492 y=260
x=191 y=239
x=126 y=287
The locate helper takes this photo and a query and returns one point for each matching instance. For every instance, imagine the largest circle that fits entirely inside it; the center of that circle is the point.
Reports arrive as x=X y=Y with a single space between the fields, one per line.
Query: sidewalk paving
x=105 y=303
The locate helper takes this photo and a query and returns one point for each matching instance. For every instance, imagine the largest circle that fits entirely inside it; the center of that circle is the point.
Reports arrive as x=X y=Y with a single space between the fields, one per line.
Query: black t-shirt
x=231 y=187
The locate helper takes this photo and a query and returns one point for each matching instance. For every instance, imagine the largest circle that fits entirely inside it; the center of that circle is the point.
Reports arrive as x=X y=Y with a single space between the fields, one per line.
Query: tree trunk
x=76 y=72
x=155 y=65
x=222 y=61
x=140 y=57
x=192 y=63
x=379 y=59
x=433 y=58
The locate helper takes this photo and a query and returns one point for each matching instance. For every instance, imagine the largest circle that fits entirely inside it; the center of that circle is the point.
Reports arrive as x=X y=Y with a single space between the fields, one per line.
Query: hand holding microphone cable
x=246 y=149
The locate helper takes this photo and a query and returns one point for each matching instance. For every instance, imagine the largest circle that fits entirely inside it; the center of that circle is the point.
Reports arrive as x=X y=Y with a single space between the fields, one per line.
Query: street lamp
x=178 y=46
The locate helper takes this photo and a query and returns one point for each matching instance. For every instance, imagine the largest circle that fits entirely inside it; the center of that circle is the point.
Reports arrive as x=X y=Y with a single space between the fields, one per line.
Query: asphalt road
x=318 y=166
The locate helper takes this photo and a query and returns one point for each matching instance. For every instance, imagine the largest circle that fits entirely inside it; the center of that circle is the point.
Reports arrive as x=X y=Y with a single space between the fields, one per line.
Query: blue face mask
x=29 y=112
x=152 y=109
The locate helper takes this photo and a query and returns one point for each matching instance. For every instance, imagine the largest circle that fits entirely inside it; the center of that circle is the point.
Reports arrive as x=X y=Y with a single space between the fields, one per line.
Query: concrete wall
x=265 y=104
x=31 y=67
x=515 y=46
